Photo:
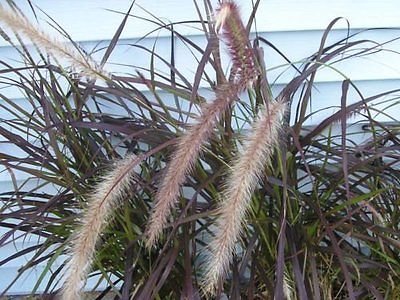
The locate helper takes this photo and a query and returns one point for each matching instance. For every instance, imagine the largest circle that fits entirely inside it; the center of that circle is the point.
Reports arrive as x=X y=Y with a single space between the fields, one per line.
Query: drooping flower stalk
x=106 y=196
x=235 y=199
x=190 y=143
x=187 y=152
x=20 y=24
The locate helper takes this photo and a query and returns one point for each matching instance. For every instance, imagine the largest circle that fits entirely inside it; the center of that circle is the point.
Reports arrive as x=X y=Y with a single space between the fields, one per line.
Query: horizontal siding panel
x=28 y=280
x=25 y=283
x=6 y=185
x=325 y=95
x=81 y=18
x=295 y=45
x=15 y=247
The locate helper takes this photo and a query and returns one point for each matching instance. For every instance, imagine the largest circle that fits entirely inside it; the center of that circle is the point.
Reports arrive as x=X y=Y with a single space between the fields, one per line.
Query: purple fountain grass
x=107 y=195
x=243 y=177
x=189 y=145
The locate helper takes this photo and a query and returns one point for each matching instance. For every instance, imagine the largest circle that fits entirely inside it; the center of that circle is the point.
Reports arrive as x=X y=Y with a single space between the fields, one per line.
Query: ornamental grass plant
x=203 y=197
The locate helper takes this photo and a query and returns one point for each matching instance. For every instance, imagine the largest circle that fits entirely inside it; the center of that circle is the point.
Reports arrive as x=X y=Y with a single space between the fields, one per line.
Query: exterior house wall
x=293 y=26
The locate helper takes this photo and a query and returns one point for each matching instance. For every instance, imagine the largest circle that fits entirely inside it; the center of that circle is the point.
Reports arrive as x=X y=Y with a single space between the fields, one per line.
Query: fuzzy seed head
x=185 y=156
x=106 y=196
x=20 y=24
x=243 y=177
x=229 y=22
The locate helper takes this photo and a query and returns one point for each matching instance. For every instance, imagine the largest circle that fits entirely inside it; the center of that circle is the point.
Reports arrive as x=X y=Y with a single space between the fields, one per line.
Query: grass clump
x=242 y=199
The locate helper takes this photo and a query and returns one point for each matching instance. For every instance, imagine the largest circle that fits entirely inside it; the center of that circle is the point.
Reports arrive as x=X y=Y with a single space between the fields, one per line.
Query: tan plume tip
x=105 y=197
x=186 y=154
x=241 y=182
x=20 y=24
x=223 y=12
x=228 y=21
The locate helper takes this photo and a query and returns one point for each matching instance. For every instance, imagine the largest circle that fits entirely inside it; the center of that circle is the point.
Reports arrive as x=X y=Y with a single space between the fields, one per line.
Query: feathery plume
x=187 y=152
x=229 y=22
x=241 y=182
x=104 y=199
x=20 y=24
x=189 y=145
